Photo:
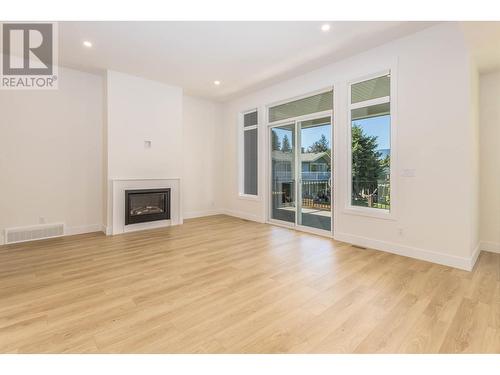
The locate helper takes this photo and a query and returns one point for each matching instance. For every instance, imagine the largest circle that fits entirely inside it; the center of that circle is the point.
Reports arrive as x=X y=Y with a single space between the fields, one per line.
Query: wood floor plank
x=220 y=284
x=467 y=331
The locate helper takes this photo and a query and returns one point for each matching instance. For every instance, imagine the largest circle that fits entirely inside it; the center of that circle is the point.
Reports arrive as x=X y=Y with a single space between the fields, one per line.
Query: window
x=370 y=116
x=250 y=146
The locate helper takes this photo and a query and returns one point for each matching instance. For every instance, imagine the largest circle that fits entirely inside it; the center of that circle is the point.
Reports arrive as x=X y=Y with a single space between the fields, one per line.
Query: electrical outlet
x=41 y=220
x=147 y=144
x=400 y=231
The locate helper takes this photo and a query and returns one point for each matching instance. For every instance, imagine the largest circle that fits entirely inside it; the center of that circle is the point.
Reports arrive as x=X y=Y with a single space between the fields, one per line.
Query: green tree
x=285 y=145
x=386 y=163
x=276 y=145
x=320 y=145
x=367 y=167
x=385 y=193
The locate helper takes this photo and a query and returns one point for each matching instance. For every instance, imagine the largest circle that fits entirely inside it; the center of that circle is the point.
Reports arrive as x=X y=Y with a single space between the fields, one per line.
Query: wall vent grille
x=32 y=233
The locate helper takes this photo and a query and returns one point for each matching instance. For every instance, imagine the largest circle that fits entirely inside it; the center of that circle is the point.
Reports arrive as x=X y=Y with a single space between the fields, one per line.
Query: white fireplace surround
x=118 y=187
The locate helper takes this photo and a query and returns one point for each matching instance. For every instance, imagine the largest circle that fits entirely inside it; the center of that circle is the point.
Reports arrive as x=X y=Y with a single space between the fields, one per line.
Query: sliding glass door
x=301 y=173
x=315 y=174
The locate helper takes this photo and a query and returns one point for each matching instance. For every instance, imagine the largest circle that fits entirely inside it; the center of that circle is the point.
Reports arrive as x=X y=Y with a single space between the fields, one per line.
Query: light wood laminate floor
x=225 y=285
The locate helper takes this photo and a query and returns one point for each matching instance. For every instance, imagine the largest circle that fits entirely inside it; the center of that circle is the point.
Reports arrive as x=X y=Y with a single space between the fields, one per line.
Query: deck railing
x=283 y=176
x=316 y=194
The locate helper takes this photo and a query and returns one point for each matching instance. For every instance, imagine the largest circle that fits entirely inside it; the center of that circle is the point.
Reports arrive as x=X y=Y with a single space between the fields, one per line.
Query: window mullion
x=368 y=103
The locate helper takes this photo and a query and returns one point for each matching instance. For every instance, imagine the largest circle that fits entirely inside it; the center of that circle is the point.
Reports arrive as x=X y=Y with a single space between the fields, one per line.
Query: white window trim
x=368 y=103
x=392 y=99
x=241 y=156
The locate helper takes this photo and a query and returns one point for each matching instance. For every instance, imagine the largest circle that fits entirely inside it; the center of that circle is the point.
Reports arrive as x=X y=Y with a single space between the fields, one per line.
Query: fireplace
x=146 y=205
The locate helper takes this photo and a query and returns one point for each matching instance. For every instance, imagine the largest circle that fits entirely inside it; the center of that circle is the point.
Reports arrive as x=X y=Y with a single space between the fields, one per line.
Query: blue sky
x=281 y=134
x=375 y=126
x=379 y=127
x=311 y=135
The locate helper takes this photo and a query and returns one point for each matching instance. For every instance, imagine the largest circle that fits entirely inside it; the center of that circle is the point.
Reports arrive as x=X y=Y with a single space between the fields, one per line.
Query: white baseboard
x=195 y=214
x=492 y=247
x=412 y=252
x=71 y=231
x=475 y=255
x=243 y=215
x=463 y=263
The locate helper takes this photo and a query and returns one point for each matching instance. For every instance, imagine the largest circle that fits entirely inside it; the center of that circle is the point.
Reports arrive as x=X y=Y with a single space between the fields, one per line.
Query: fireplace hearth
x=146 y=205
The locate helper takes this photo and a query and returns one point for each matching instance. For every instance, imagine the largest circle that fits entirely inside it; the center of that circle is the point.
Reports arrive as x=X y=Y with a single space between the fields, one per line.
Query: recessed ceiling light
x=325 y=27
x=216 y=83
x=87 y=44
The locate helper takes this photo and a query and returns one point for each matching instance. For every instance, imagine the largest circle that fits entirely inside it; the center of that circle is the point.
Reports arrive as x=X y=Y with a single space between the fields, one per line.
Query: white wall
x=139 y=110
x=51 y=154
x=490 y=161
x=59 y=149
x=434 y=216
x=183 y=131
x=202 y=172
x=53 y=145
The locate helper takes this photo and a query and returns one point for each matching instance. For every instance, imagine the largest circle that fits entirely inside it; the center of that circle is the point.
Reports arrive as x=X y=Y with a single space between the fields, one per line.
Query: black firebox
x=146 y=205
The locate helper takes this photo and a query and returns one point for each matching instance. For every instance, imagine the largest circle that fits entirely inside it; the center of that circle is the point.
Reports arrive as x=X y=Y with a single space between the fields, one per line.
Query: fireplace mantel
x=116 y=197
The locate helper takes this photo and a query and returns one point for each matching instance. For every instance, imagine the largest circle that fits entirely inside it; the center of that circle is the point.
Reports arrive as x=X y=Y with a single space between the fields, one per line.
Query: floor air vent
x=32 y=233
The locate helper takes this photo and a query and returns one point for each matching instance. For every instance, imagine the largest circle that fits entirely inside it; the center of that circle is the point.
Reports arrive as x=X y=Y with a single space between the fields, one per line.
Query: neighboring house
x=316 y=173
x=315 y=166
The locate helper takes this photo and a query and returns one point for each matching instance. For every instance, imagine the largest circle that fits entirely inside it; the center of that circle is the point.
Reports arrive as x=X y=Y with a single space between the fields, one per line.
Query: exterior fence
x=379 y=192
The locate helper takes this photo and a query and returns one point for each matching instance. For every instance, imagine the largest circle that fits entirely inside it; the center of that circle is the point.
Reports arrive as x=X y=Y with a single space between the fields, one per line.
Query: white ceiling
x=244 y=56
